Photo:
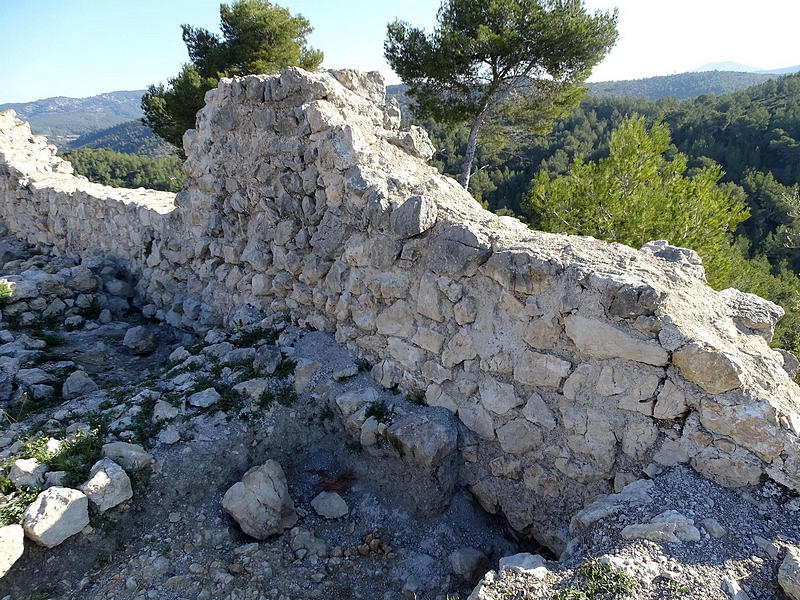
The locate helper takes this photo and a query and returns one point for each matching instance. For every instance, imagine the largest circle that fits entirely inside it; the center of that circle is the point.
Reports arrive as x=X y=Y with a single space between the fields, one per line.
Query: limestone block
x=425 y=437
x=397 y=320
x=669 y=526
x=671 y=403
x=130 y=456
x=260 y=502
x=537 y=369
x=108 y=485
x=414 y=216
x=519 y=436
x=602 y=340
x=429 y=298
x=56 y=514
x=27 y=473
x=748 y=424
x=498 y=397
x=537 y=411
x=329 y=505
x=428 y=339
x=204 y=398
x=11 y=547
x=714 y=371
x=78 y=384
x=477 y=418
x=458 y=349
x=788 y=573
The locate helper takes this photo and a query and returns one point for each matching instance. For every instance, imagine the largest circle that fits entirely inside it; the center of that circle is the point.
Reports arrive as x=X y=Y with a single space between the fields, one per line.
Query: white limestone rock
x=260 y=502
x=108 y=485
x=139 y=340
x=129 y=456
x=57 y=514
x=27 y=473
x=12 y=546
x=789 y=573
x=330 y=505
x=78 y=384
x=205 y=398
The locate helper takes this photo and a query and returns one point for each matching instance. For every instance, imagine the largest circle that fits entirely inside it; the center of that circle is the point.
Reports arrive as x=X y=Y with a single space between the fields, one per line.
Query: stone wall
x=574 y=365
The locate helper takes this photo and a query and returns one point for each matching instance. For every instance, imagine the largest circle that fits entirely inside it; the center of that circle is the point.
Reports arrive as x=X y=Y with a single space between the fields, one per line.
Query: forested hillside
x=128 y=170
x=682 y=85
x=130 y=137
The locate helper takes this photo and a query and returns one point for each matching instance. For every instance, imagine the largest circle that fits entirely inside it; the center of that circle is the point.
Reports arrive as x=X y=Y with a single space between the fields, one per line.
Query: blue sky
x=85 y=47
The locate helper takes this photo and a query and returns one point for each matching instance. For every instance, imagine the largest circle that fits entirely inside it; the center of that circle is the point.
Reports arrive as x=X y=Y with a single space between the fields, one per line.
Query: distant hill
x=683 y=85
x=734 y=66
x=130 y=137
x=62 y=119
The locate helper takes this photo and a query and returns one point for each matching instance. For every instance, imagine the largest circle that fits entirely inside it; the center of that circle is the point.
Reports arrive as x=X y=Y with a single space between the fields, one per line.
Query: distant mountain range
x=112 y=120
x=63 y=120
x=734 y=66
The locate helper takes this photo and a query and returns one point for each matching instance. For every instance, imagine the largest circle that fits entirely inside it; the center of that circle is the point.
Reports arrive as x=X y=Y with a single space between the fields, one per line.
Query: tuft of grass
x=91 y=312
x=599 y=581
x=30 y=406
x=253 y=337
x=144 y=427
x=285 y=368
x=416 y=397
x=5 y=292
x=380 y=411
x=363 y=365
x=265 y=400
x=287 y=395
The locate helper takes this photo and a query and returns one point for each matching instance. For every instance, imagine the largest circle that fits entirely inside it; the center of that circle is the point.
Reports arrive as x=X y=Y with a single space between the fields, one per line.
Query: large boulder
x=789 y=573
x=108 y=485
x=56 y=514
x=260 y=502
x=11 y=546
x=78 y=384
x=27 y=473
x=139 y=340
x=130 y=456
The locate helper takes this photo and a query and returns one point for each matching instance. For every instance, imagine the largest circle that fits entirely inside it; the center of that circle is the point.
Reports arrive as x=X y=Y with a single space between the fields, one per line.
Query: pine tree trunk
x=469 y=155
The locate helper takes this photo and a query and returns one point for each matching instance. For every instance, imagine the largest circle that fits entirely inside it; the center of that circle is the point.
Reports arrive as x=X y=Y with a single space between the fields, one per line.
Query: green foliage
x=380 y=411
x=636 y=194
x=285 y=368
x=130 y=137
x=416 y=397
x=255 y=336
x=257 y=37
x=11 y=511
x=127 y=170
x=491 y=63
x=598 y=581
x=682 y=85
x=5 y=292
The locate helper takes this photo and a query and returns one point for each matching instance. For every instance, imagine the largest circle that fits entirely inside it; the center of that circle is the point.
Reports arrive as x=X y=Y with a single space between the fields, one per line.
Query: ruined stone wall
x=574 y=365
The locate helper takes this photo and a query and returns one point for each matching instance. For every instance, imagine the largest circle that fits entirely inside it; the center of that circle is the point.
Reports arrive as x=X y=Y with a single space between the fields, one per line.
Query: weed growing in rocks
x=416 y=397
x=285 y=368
x=255 y=336
x=5 y=292
x=380 y=411
x=143 y=426
x=598 y=580
x=92 y=311
x=11 y=510
x=287 y=395
x=29 y=406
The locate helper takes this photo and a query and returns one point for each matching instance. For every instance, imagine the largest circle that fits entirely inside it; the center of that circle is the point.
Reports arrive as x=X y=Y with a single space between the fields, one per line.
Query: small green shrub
x=253 y=337
x=5 y=292
x=11 y=511
x=416 y=397
x=285 y=368
x=598 y=581
x=380 y=411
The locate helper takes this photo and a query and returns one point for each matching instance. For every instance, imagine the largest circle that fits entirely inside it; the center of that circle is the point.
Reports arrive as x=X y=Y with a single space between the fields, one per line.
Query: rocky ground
x=358 y=485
